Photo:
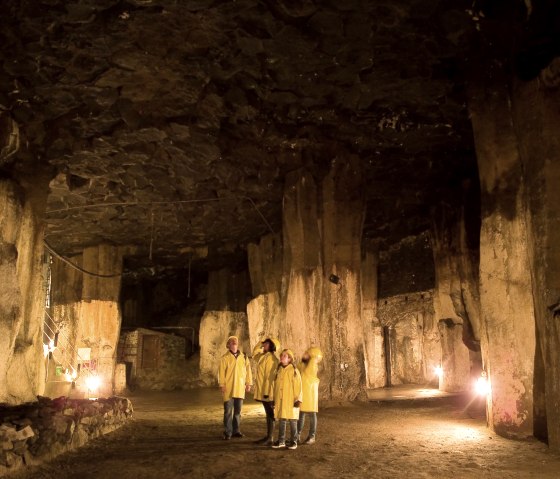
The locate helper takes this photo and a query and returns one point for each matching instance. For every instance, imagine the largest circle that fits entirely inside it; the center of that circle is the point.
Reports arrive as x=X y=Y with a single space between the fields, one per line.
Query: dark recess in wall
x=406 y=267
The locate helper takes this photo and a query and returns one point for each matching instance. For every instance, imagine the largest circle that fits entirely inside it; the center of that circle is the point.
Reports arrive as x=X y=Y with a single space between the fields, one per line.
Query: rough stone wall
x=39 y=431
x=264 y=311
x=171 y=370
x=413 y=335
x=225 y=315
x=506 y=282
x=21 y=301
x=406 y=266
x=535 y=108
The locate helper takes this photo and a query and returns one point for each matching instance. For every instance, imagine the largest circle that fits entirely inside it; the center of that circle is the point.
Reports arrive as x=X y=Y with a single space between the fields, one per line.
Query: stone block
x=25 y=433
x=13 y=461
x=60 y=425
x=19 y=447
x=7 y=445
x=29 y=459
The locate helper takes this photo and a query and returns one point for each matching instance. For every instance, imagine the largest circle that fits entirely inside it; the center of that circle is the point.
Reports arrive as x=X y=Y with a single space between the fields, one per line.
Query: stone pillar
x=64 y=319
x=374 y=353
x=456 y=296
x=535 y=115
x=21 y=294
x=224 y=316
x=294 y=299
x=264 y=311
x=304 y=324
x=100 y=315
x=343 y=212
x=455 y=360
x=86 y=314
x=506 y=284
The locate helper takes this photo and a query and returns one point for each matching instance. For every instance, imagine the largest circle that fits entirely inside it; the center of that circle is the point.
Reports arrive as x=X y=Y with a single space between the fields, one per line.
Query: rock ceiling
x=173 y=123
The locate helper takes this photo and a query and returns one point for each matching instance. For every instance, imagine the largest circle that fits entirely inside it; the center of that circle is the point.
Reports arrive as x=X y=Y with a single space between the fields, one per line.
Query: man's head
x=232 y=344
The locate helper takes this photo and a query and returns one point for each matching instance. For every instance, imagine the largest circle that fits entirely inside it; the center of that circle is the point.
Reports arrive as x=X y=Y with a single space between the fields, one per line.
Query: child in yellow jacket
x=287 y=398
x=308 y=368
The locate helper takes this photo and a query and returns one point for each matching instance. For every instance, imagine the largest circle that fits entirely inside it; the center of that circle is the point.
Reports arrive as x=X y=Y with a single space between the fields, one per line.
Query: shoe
x=237 y=434
x=278 y=445
x=269 y=442
x=226 y=437
x=310 y=440
x=292 y=445
x=263 y=440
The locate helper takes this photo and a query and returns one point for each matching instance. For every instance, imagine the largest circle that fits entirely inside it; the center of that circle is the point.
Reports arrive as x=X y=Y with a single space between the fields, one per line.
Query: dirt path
x=178 y=435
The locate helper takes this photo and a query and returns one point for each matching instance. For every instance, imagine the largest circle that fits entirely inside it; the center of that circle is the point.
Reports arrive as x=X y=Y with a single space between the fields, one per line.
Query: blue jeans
x=312 y=423
x=232 y=416
x=282 y=430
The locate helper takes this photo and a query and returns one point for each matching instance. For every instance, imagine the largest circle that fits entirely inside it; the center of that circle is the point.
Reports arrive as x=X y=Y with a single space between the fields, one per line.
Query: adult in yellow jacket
x=309 y=368
x=267 y=364
x=234 y=378
x=287 y=399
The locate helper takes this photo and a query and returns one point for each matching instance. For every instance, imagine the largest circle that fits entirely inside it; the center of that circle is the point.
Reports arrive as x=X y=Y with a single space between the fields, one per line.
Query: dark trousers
x=269 y=409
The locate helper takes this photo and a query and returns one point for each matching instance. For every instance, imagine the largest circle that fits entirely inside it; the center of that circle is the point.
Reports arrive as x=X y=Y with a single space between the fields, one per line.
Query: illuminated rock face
x=508 y=337
x=225 y=316
x=294 y=299
x=540 y=154
x=456 y=294
x=21 y=294
x=517 y=149
x=85 y=310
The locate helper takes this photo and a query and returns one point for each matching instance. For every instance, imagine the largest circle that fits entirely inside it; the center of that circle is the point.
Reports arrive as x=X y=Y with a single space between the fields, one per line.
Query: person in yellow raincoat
x=308 y=368
x=234 y=378
x=267 y=364
x=287 y=398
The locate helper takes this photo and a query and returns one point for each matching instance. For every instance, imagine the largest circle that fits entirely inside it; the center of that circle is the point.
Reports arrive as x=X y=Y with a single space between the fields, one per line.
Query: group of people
x=288 y=393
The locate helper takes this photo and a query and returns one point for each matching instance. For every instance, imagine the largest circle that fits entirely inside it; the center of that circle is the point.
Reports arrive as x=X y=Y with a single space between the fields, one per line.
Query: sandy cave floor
x=178 y=435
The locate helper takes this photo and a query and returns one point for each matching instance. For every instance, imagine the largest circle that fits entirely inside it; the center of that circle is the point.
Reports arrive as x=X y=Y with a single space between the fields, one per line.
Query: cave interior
x=374 y=178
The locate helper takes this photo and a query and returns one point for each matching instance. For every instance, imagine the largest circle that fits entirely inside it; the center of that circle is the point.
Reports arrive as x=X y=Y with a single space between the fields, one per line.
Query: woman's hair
x=271 y=345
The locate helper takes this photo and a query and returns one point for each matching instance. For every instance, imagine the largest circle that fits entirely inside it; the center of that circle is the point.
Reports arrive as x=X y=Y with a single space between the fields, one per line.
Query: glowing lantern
x=482 y=386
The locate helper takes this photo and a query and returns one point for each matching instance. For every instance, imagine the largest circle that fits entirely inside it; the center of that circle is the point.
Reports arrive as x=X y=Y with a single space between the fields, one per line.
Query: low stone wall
x=35 y=432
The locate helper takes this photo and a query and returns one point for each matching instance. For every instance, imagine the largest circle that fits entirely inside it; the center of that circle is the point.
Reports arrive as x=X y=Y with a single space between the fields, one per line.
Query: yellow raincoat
x=267 y=364
x=310 y=381
x=287 y=390
x=234 y=373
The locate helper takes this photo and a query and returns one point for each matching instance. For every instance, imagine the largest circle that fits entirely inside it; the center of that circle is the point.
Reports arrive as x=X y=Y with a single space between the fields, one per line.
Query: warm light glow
x=466 y=433
x=439 y=371
x=93 y=383
x=70 y=376
x=482 y=387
